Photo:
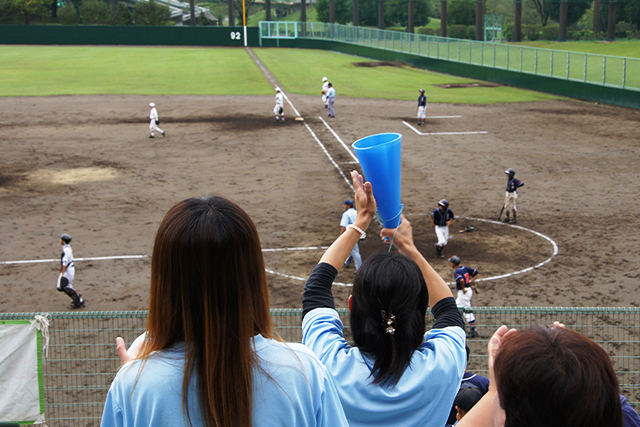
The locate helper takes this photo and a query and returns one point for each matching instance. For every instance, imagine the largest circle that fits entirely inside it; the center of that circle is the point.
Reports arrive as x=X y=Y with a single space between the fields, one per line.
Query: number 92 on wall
x=235 y=35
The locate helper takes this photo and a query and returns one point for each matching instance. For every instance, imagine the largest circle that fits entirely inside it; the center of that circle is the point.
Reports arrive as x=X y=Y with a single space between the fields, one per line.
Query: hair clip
x=388 y=321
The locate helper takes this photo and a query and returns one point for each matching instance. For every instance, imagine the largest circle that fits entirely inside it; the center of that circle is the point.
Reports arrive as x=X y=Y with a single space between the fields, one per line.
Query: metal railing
x=605 y=70
x=82 y=360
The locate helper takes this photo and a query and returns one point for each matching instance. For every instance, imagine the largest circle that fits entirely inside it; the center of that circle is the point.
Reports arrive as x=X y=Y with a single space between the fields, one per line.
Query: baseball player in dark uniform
x=465 y=278
x=512 y=195
x=422 y=108
x=440 y=220
x=68 y=273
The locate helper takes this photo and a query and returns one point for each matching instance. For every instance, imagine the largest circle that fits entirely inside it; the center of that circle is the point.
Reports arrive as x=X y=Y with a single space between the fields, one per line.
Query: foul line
x=330 y=158
x=340 y=140
x=444 y=133
x=443 y=117
x=98 y=258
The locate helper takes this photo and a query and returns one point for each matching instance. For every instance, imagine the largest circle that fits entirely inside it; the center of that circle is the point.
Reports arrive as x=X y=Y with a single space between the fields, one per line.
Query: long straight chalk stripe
x=330 y=158
x=290 y=103
x=480 y=132
x=99 y=258
x=346 y=147
x=309 y=248
x=444 y=117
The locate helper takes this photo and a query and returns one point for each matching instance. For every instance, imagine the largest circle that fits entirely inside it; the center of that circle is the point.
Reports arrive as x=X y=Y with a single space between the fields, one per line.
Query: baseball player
x=153 y=124
x=325 y=87
x=68 y=273
x=349 y=217
x=465 y=278
x=331 y=97
x=278 y=110
x=422 y=108
x=512 y=195
x=440 y=220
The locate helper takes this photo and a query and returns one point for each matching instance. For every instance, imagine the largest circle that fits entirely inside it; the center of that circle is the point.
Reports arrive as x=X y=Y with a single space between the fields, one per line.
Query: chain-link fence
x=604 y=70
x=82 y=361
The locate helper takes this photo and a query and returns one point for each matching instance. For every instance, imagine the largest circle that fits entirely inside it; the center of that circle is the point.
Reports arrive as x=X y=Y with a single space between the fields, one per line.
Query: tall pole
x=564 y=12
x=355 y=12
x=192 y=12
x=611 y=27
x=332 y=11
x=267 y=6
x=517 y=22
x=443 y=18
x=232 y=22
x=244 y=23
x=479 y=20
x=381 y=14
x=412 y=5
x=597 y=20
x=303 y=17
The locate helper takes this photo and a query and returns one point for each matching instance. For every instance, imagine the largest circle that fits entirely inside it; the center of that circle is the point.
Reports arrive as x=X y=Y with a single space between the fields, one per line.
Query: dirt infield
x=84 y=165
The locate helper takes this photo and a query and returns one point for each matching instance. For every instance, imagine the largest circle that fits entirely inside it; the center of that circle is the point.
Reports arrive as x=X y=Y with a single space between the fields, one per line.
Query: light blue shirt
x=348 y=217
x=331 y=92
x=423 y=396
x=292 y=388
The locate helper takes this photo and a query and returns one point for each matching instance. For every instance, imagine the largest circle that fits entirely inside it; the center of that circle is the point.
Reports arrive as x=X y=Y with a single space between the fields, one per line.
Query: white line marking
x=302 y=279
x=99 y=258
x=443 y=117
x=346 y=147
x=290 y=103
x=330 y=158
x=309 y=248
x=481 y=132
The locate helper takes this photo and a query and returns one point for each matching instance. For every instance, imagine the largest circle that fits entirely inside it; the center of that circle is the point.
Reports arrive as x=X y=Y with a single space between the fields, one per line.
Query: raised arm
x=339 y=251
x=403 y=240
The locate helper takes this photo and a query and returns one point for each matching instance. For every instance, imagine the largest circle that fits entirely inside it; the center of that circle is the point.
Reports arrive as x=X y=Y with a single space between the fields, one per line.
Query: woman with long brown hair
x=210 y=356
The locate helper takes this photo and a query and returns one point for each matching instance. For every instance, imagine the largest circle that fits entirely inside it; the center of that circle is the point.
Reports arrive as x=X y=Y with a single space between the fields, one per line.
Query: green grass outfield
x=69 y=70
x=626 y=48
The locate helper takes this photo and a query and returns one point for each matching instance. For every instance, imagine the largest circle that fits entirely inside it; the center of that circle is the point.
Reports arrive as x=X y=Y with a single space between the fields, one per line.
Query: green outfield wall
x=569 y=88
x=127 y=35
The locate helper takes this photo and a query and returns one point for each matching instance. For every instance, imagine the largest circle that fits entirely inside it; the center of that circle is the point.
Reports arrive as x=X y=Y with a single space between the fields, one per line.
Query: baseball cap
x=348 y=202
x=151 y=104
x=467 y=397
x=324 y=79
x=277 y=89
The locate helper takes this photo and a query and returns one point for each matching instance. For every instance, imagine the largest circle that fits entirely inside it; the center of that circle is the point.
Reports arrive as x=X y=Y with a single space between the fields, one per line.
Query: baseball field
x=80 y=161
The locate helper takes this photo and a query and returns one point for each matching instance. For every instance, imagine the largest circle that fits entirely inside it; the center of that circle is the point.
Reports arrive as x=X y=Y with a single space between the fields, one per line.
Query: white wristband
x=358 y=229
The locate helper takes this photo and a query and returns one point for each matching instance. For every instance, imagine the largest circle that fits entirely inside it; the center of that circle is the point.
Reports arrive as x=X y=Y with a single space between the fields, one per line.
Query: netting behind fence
x=82 y=360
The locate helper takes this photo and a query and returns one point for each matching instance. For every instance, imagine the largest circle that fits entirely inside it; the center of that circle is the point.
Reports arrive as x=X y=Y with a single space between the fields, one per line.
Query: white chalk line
x=351 y=153
x=330 y=158
x=443 y=117
x=480 y=132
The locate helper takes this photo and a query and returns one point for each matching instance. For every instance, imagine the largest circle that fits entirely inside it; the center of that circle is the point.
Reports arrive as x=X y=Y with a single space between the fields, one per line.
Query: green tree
x=31 y=8
x=343 y=11
x=123 y=15
x=150 y=13
x=68 y=15
x=576 y=9
x=9 y=13
x=95 y=12
x=461 y=12
x=397 y=12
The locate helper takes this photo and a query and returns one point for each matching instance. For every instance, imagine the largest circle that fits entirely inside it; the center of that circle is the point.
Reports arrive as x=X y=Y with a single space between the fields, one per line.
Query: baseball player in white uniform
x=331 y=98
x=153 y=124
x=349 y=217
x=68 y=273
x=325 y=87
x=278 y=110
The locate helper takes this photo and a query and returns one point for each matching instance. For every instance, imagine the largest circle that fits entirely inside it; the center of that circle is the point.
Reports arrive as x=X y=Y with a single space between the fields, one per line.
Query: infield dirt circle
x=84 y=166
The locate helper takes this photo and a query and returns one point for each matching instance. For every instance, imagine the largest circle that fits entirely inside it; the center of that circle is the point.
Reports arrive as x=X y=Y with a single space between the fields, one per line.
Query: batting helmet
x=455 y=260
x=421 y=90
x=151 y=104
x=65 y=238
x=510 y=172
x=444 y=203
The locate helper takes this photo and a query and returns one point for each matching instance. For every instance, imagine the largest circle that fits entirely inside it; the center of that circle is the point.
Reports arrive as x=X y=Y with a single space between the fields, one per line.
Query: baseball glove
x=157 y=121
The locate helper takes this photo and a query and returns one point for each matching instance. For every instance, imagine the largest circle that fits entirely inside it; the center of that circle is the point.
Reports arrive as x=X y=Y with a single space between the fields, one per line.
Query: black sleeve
x=317 y=290
x=446 y=313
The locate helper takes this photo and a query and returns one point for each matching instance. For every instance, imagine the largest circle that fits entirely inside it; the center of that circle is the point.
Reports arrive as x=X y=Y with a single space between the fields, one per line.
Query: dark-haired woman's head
x=556 y=377
x=388 y=308
x=207 y=265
